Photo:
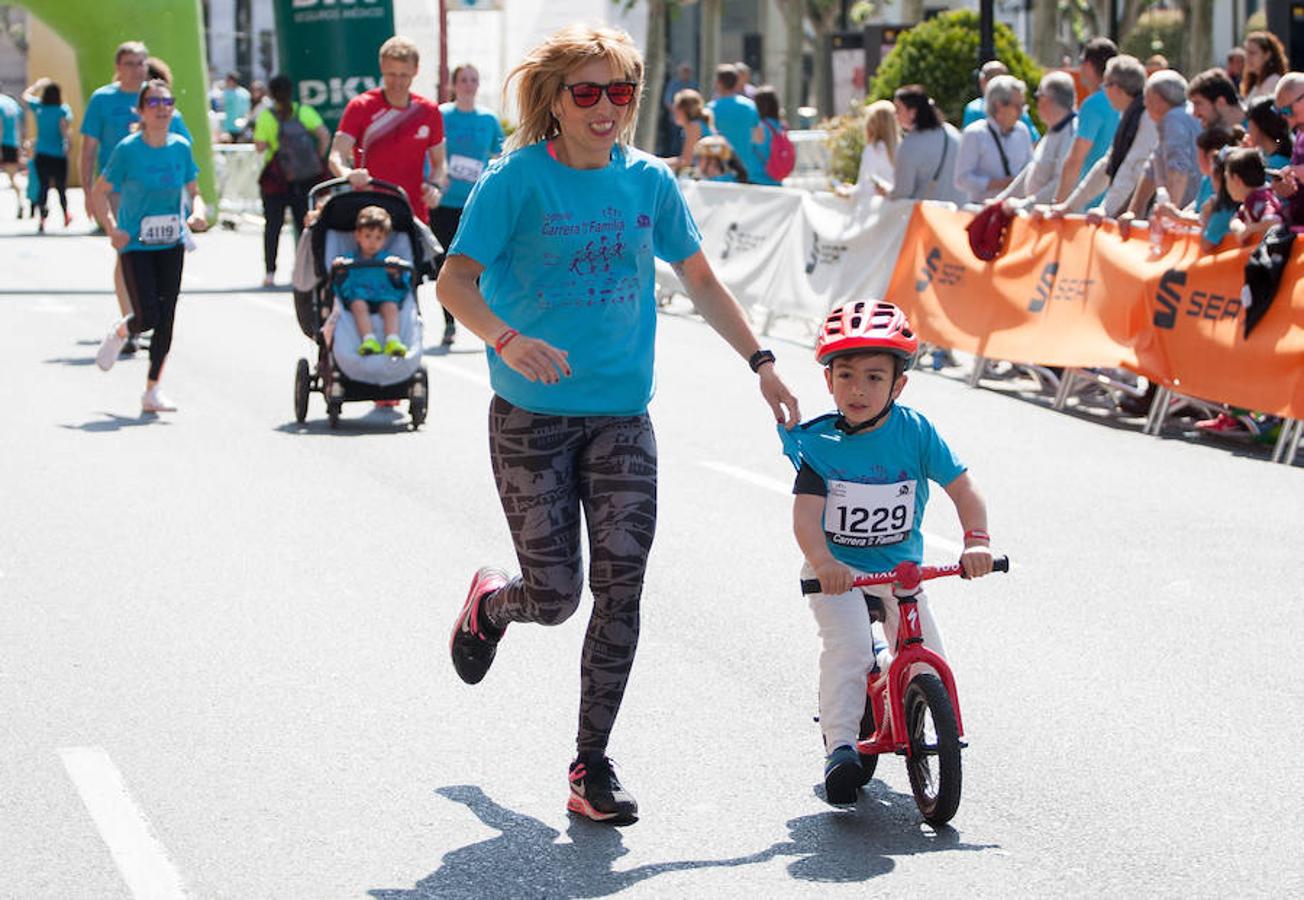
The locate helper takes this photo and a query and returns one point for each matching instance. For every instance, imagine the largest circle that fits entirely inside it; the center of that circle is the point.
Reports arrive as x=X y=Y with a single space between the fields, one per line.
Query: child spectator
x=1212 y=209
x=861 y=489
x=365 y=289
x=715 y=160
x=1245 y=177
x=1219 y=210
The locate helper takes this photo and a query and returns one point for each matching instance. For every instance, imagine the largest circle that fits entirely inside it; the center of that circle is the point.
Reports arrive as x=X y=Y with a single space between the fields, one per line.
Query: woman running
x=53 y=124
x=562 y=233
x=474 y=137
x=154 y=173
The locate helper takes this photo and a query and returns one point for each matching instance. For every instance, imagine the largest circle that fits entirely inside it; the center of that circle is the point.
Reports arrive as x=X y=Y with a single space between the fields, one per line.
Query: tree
x=709 y=57
x=654 y=75
x=823 y=15
x=794 y=15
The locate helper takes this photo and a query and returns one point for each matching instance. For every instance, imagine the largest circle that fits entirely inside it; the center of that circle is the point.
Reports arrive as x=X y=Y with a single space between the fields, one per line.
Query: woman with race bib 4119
x=154 y=173
x=561 y=234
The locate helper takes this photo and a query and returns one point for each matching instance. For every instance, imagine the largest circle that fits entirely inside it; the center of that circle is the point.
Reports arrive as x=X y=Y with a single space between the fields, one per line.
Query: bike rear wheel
x=934 y=760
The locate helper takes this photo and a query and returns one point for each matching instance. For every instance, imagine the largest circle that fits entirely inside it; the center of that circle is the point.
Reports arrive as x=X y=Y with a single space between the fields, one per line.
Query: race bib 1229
x=869 y=515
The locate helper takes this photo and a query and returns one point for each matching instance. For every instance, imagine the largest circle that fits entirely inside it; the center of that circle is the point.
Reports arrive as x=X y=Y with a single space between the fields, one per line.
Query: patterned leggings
x=546 y=468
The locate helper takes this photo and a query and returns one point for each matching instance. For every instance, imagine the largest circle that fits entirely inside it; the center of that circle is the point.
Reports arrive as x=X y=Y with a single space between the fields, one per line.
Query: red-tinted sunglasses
x=588 y=93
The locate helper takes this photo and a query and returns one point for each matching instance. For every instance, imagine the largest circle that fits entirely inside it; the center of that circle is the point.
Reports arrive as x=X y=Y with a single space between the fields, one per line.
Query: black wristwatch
x=760 y=358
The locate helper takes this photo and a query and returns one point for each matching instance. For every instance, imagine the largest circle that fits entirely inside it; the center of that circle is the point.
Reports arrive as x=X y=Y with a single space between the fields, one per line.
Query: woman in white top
x=1265 y=63
x=882 y=137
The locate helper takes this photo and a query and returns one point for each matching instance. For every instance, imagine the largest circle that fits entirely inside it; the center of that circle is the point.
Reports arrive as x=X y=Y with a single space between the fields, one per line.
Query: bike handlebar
x=907 y=575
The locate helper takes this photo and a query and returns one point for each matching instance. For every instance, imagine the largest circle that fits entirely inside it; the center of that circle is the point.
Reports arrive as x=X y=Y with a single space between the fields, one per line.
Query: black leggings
x=52 y=171
x=443 y=222
x=153 y=283
x=547 y=468
x=294 y=199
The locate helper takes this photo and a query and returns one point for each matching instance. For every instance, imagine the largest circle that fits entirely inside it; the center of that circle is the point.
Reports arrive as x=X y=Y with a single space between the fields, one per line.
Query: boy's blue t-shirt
x=876 y=482
x=1097 y=121
x=109 y=116
x=152 y=183
x=568 y=259
x=471 y=138
x=373 y=284
x=49 y=136
x=10 y=111
x=735 y=117
x=1220 y=222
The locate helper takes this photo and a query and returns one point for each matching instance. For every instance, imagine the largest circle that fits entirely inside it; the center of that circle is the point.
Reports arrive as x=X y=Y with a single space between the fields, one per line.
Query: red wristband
x=504 y=339
x=977 y=535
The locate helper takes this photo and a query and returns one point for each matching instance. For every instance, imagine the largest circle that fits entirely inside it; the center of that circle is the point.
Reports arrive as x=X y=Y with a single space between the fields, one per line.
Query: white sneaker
x=111 y=346
x=153 y=400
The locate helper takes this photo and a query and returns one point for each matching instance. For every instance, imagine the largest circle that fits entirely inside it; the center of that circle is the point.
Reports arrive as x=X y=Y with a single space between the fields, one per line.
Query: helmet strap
x=868 y=423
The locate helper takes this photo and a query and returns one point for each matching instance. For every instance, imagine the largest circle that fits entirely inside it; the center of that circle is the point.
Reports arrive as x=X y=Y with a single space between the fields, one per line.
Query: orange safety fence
x=1065 y=293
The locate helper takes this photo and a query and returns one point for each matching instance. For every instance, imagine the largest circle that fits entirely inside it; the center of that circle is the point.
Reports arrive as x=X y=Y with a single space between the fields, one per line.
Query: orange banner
x=1066 y=293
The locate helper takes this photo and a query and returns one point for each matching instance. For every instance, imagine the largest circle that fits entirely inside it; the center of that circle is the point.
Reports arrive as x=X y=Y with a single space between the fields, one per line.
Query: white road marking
x=785 y=488
x=281 y=306
x=449 y=368
x=140 y=858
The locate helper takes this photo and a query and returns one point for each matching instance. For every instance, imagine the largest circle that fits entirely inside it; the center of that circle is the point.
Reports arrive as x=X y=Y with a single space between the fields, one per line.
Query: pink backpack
x=783 y=155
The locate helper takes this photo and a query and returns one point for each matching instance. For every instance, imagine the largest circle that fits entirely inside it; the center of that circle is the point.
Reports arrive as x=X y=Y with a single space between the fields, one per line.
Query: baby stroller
x=341 y=375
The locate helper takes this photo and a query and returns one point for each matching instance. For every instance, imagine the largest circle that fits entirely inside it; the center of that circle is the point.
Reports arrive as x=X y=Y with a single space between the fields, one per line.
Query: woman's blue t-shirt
x=760 y=176
x=568 y=258
x=49 y=136
x=471 y=138
x=109 y=116
x=152 y=182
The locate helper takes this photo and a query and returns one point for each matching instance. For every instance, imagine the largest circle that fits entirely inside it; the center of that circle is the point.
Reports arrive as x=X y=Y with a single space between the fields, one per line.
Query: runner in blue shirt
x=53 y=122
x=734 y=117
x=473 y=136
x=11 y=115
x=154 y=174
x=553 y=267
x=861 y=490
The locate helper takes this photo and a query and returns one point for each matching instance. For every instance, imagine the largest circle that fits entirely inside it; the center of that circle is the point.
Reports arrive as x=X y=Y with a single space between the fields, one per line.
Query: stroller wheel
x=302 y=385
x=418 y=397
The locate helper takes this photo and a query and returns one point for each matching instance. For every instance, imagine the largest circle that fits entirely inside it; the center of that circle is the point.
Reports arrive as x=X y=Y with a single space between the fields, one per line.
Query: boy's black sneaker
x=842 y=776
x=475 y=640
x=595 y=793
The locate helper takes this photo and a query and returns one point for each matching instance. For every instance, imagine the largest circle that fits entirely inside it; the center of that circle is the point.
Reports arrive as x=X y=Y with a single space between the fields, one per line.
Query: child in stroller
x=344 y=371
x=368 y=284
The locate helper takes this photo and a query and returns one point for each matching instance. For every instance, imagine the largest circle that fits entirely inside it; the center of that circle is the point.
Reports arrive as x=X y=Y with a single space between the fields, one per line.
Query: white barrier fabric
x=791 y=252
x=237 y=167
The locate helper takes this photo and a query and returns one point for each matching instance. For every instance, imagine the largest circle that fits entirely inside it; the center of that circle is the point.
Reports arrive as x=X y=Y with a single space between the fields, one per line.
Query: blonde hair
x=373 y=217
x=689 y=102
x=543 y=72
x=401 y=49
x=715 y=147
x=881 y=125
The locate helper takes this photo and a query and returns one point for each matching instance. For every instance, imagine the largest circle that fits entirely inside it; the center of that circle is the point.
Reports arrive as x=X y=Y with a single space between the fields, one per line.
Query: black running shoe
x=129 y=347
x=474 y=640
x=596 y=793
x=450 y=331
x=842 y=776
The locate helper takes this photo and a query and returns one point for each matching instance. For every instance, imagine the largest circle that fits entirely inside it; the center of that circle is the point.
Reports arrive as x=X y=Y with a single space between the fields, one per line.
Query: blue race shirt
x=1204 y=193
x=471 y=138
x=876 y=483
x=568 y=256
x=735 y=117
x=49 y=136
x=152 y=183
x=235 y=106
x=10 y=111
x=762 y=151
x=109 y=116
x=1097 y=121
x=373 y=284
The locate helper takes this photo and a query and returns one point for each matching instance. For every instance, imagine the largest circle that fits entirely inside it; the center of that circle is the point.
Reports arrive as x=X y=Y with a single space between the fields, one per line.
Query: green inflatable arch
x=173 y=31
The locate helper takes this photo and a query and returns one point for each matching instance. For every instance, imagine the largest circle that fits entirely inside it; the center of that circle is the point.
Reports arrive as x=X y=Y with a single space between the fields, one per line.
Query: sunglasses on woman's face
x=153 y=102
x=588 y=93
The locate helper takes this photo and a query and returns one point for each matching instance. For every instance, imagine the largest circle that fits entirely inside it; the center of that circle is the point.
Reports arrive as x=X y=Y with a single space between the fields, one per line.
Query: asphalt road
x=223 y=663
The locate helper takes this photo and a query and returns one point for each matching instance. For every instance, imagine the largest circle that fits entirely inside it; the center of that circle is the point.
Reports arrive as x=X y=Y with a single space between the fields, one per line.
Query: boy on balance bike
x=860 y=493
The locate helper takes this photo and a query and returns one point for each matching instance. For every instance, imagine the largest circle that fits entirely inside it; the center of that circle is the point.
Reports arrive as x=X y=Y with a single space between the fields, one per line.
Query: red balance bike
x=917 y=689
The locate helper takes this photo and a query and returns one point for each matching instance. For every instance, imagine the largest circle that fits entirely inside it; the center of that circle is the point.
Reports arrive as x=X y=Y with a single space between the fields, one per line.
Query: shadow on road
x=114 y=422
x=441 y=350
x=526 y=860
x=379 y=420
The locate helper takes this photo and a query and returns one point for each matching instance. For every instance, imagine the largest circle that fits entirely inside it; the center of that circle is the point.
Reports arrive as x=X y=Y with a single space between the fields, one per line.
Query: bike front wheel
x=934 y=760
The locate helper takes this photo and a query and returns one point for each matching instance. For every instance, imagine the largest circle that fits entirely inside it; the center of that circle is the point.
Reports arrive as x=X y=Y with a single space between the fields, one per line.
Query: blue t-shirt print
x=152 y=183
x=568 y=258
x=471 y=138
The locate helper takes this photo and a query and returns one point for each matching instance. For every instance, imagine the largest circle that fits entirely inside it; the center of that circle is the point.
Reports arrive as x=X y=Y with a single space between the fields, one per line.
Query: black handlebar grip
x=1001 y=564
x=810 y=586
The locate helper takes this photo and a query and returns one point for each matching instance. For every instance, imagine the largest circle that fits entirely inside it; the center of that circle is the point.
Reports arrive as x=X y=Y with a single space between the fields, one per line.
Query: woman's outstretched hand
x=536 y=360
x=781 y=400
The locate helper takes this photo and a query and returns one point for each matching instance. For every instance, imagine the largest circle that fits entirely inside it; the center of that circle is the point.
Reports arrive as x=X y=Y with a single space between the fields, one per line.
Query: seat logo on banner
x=829 y=254
x=735 y=239
x=1169 y=299
x=946 y=274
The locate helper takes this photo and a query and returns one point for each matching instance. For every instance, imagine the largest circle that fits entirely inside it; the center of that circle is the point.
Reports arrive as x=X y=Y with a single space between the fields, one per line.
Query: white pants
x=848 y=653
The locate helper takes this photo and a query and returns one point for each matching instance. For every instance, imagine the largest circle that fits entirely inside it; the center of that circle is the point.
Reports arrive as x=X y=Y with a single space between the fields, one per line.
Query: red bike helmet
x=866 y=325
